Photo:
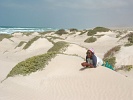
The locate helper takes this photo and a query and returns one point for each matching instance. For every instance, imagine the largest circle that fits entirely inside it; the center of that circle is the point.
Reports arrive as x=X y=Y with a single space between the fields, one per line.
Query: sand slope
x=64 y=78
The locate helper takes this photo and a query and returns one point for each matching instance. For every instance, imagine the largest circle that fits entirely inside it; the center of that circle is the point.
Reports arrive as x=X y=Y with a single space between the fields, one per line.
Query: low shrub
x=37 y=62
x=61 y=31
x=27 y=33
x=97 y=29
x=90 y=39
x=110 y=60
x=59 y=47
x=31 y=65
x=112 y=51
x=20 y=44
x=125 y=68
x=73 y=29
x=30 y=42
x=128 y=44
x=2 y=36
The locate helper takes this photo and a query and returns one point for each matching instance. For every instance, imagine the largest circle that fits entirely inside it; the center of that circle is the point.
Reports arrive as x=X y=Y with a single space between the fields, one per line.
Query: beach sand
x=64 y=78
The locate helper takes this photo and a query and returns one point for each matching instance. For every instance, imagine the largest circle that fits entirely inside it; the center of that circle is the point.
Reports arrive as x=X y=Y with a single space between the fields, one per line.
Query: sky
x=80 y=14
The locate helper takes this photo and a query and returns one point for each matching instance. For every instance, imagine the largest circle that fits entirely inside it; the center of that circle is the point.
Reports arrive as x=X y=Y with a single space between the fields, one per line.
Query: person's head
x=90 y=52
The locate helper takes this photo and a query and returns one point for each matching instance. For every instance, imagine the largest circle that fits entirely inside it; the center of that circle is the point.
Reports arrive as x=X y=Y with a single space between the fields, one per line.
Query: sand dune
x=58 y=81
x=64 y=78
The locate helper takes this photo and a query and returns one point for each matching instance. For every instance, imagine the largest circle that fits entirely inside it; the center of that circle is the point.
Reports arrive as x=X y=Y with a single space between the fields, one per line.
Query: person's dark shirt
x=94 y=60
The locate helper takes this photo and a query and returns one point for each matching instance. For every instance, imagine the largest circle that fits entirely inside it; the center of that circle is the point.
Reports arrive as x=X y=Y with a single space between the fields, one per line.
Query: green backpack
x=106 y=64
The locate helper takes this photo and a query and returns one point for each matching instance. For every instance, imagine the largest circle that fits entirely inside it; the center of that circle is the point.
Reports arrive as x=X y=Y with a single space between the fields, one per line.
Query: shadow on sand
x=83 y=68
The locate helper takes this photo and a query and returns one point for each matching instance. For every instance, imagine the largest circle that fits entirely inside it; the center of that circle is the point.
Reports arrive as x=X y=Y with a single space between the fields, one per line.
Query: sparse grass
x=90 y=39
x=61 y=32
x=51 y=38
x=109 y=56
x=110 y=60
x=112 y=51
x=20 y=44
x=128 y=44
x=125 y=67
x=44 y=33
x=130 y=39
x=99 y=35
x=27 y=33
x=127 y=36
x=97 y=29
x=59 y=47
x=54 y=37
x=31 y=64
x=37 y=62
x=83 y=32
x=2 y=36
x=30 y=42
x=73 y=29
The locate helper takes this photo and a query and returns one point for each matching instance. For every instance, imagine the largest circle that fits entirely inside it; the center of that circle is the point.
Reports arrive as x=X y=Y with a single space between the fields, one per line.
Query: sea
x=13 y=29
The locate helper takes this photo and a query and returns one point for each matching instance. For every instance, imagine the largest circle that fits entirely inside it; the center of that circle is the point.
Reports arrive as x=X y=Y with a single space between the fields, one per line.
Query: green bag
x=106 y=64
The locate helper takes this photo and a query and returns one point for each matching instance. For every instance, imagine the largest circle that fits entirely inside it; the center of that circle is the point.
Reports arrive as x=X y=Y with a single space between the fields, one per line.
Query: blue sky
x=66 y=13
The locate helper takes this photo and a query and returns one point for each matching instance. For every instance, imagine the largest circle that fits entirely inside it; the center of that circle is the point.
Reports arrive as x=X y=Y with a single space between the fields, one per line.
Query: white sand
x=10 y=56
x=64 y=78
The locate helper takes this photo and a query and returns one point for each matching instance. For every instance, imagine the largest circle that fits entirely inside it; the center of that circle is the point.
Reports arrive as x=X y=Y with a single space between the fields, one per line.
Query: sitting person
x=92 y=61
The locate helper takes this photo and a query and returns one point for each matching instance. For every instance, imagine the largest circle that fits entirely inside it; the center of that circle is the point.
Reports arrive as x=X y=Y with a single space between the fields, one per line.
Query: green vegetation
x=30 y=42
x=59 y=47
x=110 y=60
x=37 y=62
x=109 y=56
x=31 y=65
x=112 y=51
x=128 y=44
x=20 y=44
x=97 y=29
x=61 y=31
x=83 y=32
x=27 y=33
x=99 y=35
x=73 y=29
x=51 y=38
x=130 y=39
x=2 y=36
x=90 y=39
x=125 y=67
x=44 y=33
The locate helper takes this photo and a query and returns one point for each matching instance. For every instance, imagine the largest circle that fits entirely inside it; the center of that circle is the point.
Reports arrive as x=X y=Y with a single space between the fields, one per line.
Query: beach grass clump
x=27 y=33
x=130 y=39
x=128 y=67
x=7 y=36
x=20 y=44
x=59 y=47
x=83 y=32
x=98 y=36
x=128 y=44
x=112 y=51
x=124 y=67
x=30 y=42
x=37 y=62
x=46 y=32
x=61 y=32
x=109 y=56
x=90 y=39
x=73 y=30
x=31 y=64
x=110 y=60
x=97 y=29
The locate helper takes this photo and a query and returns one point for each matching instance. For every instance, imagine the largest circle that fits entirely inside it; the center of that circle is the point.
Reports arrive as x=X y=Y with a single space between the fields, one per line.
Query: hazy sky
x=66 y=13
